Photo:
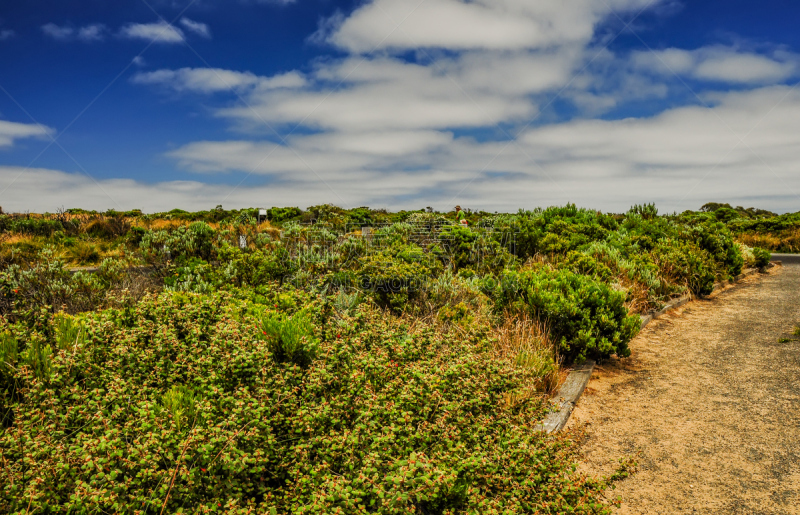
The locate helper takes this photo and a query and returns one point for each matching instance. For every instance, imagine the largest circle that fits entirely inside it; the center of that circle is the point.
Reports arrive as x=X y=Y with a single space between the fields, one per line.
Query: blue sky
x=494 y=105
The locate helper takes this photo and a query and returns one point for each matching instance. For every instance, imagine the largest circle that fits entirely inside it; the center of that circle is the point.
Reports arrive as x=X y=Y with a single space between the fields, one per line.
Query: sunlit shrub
x=585 y=318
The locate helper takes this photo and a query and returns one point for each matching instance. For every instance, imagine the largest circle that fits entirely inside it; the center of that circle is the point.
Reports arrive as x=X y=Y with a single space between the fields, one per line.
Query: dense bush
x=280 y=214
x=762 y=257
x=179 y=405
x=685 y=263
x=585 y=318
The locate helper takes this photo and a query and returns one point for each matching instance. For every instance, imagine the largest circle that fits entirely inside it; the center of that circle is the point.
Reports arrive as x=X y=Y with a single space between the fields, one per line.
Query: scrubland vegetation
x=212 y=363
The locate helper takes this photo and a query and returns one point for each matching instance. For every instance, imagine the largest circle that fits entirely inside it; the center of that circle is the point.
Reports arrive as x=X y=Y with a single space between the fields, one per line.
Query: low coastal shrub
x=181 y=404
x=585 y=318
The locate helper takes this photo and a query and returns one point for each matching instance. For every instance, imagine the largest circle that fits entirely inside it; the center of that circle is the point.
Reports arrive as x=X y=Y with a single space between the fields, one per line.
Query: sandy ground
x=710 y=401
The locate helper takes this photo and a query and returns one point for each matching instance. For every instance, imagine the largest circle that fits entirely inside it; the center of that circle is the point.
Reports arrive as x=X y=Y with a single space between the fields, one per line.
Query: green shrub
x=585 y=318
x=45 y=284
x=35 y=226
x=84 y=252
x=39 y=358
x=762 y=257
x=686 y=264
x=646 y=211
x=281 y=214
x=183 y=410
x=180 y=244
x=392 y=280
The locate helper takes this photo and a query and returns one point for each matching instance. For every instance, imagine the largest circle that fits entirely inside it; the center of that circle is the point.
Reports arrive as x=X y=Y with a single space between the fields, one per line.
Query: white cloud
x=476 y=89
x=721 y=64
x=382 y=129
x=94 y=32
x=159 y=32
x=11 y=131
x=58 y=33
x=6 y=34
x=679 y=159
x=604 y=164
x=213 y=80
x=198 y=28
x=477 y=24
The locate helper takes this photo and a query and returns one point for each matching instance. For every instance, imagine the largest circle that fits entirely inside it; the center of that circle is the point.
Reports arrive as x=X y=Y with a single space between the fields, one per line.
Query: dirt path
x=711 y=400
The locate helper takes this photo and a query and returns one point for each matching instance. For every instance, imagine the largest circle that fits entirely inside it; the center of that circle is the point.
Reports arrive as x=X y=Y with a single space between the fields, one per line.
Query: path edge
x=572 y=389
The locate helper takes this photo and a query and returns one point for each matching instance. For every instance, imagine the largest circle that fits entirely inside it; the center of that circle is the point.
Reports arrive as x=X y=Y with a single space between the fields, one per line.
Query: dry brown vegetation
x=788 y=240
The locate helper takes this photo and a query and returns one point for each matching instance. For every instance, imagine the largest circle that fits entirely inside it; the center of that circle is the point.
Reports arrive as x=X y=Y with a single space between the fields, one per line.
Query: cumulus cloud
x=11 y=131
x=478 y=24
x=159 y=32
x=213 y=80
x=384 y=93
x=411 y=121
x=198 y=28
x=743 y=150
x=721 y=64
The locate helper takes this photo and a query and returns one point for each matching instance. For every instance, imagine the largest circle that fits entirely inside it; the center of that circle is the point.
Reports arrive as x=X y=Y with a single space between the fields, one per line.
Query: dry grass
x=84 y=253
x=10 y=239
x=766 y=241
x=786 y=240
x=163 y=224
x=524 y=343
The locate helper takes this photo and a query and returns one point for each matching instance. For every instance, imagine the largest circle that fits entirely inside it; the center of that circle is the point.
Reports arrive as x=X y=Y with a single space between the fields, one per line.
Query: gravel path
x=711 y=402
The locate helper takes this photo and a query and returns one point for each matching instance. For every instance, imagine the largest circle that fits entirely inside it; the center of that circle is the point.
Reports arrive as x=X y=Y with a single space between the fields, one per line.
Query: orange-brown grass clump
x=783 y=241
x=523 y=342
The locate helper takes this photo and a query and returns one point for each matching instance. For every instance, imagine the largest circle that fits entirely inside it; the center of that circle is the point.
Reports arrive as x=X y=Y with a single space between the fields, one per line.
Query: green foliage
x=183 y=243
x=281 y=214
x=30 y=226
x=646 y=211
x=687 y=264
x=9 y=353
x=69 y=333
x=762 y=257
x=180 y=408
x=290 y=339
x=585 y=318
x=39 y=358
x=393 y=281
x=461 y=244
x=84 y=253
x=45 y=284
x=179 y=404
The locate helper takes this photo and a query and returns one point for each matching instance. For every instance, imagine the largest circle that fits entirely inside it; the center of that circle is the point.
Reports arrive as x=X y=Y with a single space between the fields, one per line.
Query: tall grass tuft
x=69 y=333
x=9 y=352
x=523 y=342
x=39 y=357
x=290 y=339
x=180 y=402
